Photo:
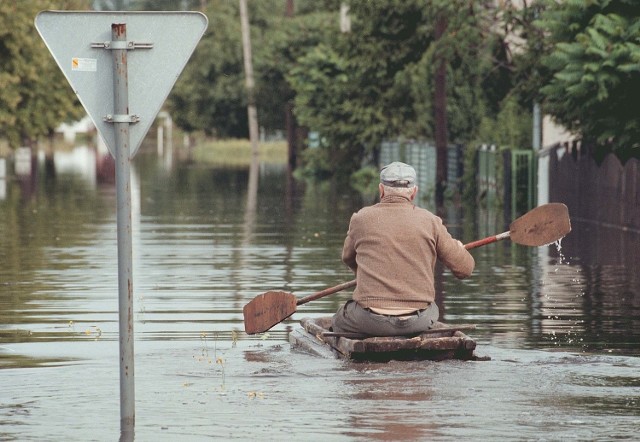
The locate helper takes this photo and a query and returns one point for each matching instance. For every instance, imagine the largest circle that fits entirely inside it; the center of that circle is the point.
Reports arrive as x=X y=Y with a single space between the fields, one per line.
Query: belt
x=404 y=315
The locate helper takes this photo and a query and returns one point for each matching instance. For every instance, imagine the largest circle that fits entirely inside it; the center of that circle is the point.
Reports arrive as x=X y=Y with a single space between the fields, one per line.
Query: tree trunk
x=292 y=136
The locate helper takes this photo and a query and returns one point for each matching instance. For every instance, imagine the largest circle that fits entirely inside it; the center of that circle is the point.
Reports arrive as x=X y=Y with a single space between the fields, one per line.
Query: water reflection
x=81 y=162
x=208 y=239
x=588 y=298
x=387 y=408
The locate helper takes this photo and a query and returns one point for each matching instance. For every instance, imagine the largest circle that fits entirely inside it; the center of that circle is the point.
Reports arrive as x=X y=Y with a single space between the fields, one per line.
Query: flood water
x=560 y=323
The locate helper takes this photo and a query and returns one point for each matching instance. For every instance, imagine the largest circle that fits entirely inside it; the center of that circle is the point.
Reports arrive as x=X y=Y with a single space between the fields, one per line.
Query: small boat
x=440 y=343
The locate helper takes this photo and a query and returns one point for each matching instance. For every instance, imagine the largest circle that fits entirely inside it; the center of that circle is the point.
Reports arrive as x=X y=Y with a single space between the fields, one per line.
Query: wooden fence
x=608 y=193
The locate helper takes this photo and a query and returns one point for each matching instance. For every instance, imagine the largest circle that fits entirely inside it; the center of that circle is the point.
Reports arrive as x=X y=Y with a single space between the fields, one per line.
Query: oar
x=538 y=227
x=541 y=226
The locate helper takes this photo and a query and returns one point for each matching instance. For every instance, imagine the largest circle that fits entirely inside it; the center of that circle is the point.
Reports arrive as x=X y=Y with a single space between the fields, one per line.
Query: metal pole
x=123 y=195
x=537 y=127
x=248 y=71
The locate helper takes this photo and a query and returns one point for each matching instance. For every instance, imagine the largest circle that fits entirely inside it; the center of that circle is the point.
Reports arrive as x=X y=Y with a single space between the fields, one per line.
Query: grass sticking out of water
x=238 y=152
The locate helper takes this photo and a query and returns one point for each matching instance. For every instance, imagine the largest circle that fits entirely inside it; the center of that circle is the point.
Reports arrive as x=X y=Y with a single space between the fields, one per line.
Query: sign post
x=91 y=49
x=123 y=212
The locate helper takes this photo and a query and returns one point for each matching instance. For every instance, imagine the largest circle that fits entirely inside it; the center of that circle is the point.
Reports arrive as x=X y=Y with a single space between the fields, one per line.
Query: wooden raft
x=440 y=343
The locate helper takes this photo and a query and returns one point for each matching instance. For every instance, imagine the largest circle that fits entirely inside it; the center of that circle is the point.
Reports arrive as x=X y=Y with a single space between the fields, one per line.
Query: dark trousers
x=353 y=318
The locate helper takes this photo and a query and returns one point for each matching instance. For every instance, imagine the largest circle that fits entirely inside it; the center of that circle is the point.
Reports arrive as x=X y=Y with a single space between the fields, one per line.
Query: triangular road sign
x=162 y=44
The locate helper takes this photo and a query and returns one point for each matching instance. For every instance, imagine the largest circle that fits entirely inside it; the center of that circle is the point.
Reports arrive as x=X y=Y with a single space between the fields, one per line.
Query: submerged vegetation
x=237 y=152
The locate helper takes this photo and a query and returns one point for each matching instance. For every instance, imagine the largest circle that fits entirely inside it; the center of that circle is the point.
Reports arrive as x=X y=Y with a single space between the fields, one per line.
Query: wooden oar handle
x=326 y=292
x=488 y=240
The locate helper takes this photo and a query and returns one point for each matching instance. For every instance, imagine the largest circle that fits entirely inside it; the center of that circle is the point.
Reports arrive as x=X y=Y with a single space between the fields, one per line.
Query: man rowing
x=392 y=247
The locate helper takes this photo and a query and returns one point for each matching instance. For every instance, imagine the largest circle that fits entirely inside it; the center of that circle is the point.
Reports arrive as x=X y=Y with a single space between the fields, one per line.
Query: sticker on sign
x=84 y=64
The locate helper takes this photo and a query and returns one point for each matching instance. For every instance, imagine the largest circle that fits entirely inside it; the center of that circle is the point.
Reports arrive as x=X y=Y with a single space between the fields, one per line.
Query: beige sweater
x=392 y=247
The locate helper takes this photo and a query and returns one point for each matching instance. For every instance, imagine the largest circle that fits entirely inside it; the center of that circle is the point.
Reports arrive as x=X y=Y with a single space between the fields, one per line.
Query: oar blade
x=267 y=310
x=541 y=226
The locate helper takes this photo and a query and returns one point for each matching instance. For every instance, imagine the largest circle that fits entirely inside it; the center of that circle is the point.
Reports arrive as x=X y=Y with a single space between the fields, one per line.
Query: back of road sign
x=152 y=72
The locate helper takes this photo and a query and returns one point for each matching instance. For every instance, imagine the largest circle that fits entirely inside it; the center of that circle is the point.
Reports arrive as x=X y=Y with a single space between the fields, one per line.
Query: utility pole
x=537 y=127
x=291 y=125
x=248 y=72
x=440 y=113
x=252 y=188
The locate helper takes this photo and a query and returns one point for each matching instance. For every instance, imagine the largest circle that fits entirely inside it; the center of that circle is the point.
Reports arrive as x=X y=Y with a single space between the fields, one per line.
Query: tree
x=357 y=88
x=345 y=86
x=34 y=95
x=210 y=95
x=378 y=81
x=287 y=39
x=589 y=69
